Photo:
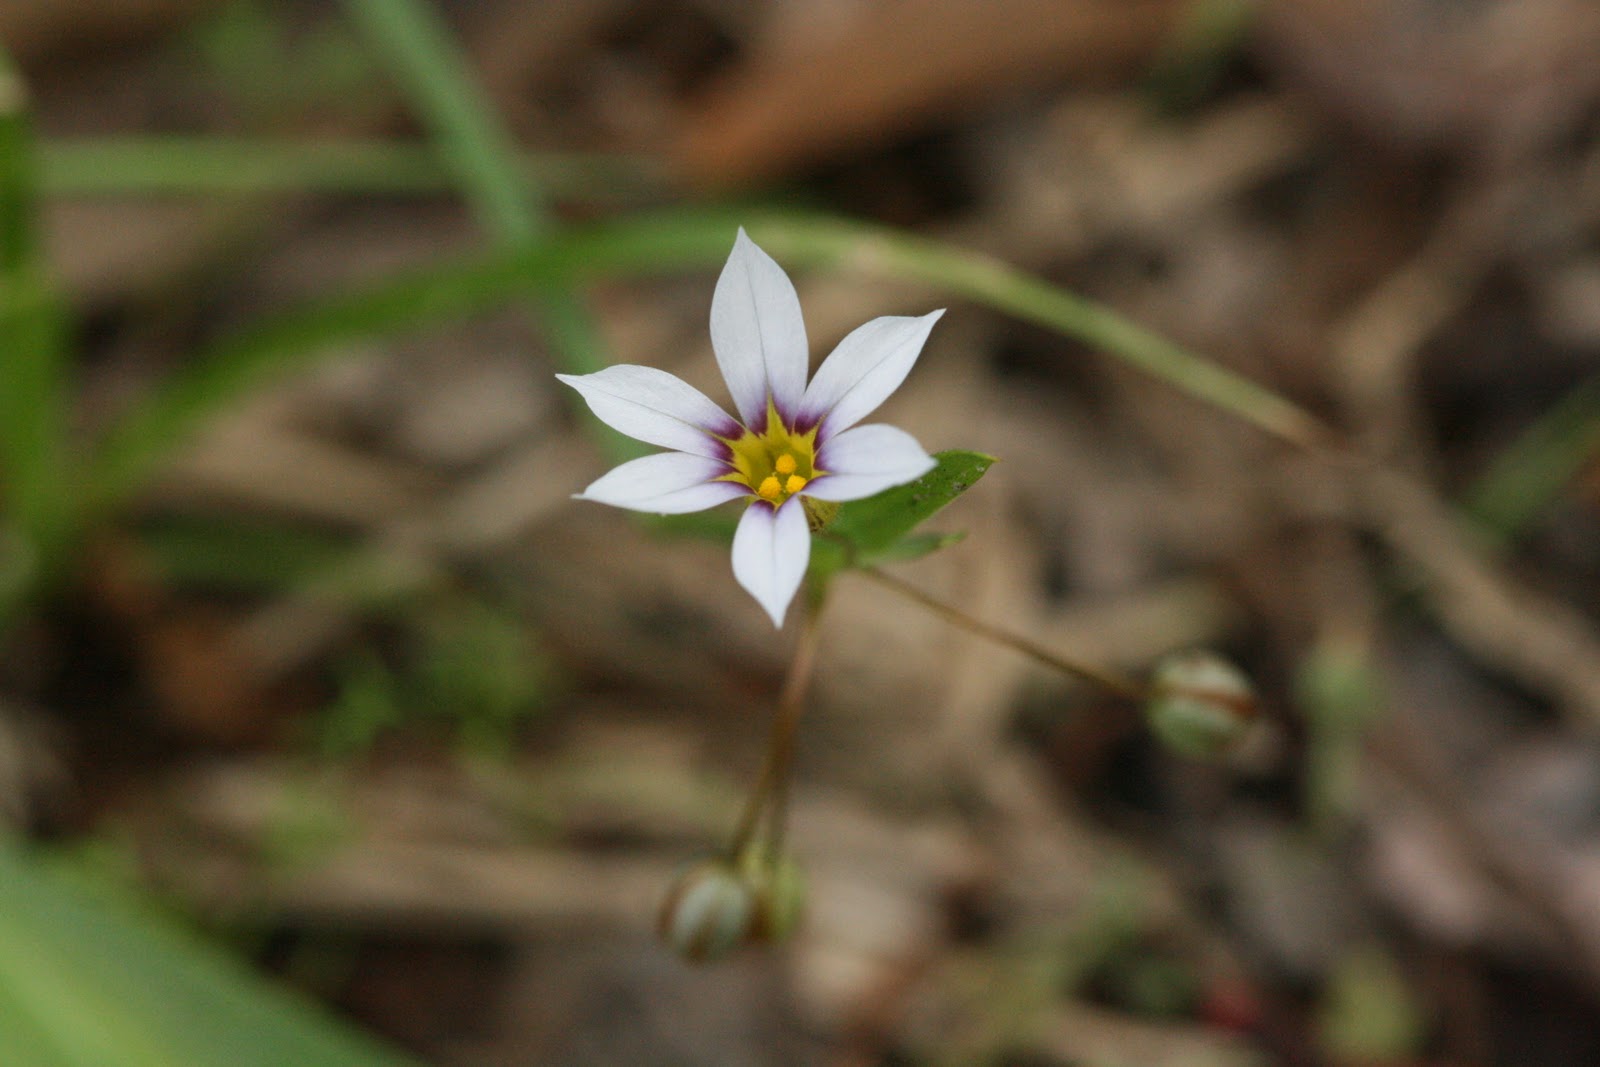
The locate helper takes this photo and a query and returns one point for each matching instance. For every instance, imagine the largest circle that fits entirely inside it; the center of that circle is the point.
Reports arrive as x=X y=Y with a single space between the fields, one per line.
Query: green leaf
x=830 y=556
x=876 y=528
x=435 y=73
x=19 y=228
x=90 y=983
x=173 y=165
x=1534 y=471
x=33 y=404
x=34 y=372
x=240 y=555
x=1368 y=1013
x=917 y=545
x=366 y=706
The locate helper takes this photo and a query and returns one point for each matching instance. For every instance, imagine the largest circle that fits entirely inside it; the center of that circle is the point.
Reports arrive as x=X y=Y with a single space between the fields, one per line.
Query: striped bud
x=709 y=911
x=1200 y=705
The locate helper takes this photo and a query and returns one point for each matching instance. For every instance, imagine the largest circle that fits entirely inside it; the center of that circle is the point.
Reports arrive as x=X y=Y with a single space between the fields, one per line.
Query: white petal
x=869 y=364
x=669 y=483
x=770 y=552
x=757 y=334
x=867 y=460
x=655 y=407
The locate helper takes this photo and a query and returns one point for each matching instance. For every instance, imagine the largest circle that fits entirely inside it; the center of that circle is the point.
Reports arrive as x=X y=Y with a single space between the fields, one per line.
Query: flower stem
x=1110 y=680
x=770 y=797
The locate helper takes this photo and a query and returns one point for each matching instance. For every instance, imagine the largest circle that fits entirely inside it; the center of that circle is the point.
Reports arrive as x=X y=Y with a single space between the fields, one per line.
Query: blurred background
x=333 y=731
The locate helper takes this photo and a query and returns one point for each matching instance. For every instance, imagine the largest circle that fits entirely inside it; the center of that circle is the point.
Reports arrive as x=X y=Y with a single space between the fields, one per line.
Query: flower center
x=775 y=463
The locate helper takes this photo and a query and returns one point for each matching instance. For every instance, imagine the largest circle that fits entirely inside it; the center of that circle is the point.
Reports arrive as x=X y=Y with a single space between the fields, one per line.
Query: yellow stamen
x=775 y=463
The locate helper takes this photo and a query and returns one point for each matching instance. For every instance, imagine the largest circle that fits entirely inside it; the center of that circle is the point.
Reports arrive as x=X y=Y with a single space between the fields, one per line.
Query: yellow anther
x=769 y=488
x=795 y=482
x=786 y=465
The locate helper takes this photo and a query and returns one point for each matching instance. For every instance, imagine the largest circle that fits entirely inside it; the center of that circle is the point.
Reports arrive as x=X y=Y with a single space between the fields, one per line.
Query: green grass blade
x=659 y=244
x=830 y=243
x=188 y=166
x=231 y=369
x=33 y=371
x=33 y=366
x=166 y=166
x=989 y=281
x=27 y=1040
x=239 y=555
x=90 y=983
x=18 y=226
x=435 y=73
x=1535 y=469
x=424 y=56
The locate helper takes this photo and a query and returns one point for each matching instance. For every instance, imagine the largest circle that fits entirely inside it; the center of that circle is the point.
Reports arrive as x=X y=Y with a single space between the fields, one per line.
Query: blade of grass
x=18 y=237
x=1196 y=53
x=676 y=240
x=111 y=986
x=26 y=1038
x=172 y=166
x=232 y=368
x=436 y=75
x=661 y=244
x=1534 y=470
x=33 y=367
x=235 y=554
x=33 y=370
x=437 y=79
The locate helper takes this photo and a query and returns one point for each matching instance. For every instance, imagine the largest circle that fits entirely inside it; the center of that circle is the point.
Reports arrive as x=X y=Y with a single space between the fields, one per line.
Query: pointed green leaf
x=86 y=982
x=917 y=545
x=876 y=526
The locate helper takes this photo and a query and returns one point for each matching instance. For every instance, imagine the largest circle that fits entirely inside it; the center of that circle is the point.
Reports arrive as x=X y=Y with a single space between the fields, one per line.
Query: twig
x=770 y=797
x=1106 y=679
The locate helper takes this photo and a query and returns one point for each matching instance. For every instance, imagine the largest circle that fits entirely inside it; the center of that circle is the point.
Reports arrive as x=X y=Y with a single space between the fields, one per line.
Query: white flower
x=790 y=440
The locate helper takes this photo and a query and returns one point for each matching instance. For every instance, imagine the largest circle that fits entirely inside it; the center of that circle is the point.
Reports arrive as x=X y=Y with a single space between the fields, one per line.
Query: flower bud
x=709 y=911
x=1200 y=704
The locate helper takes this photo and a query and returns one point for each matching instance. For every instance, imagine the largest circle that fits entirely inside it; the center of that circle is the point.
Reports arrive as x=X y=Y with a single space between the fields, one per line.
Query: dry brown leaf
x=899 y=65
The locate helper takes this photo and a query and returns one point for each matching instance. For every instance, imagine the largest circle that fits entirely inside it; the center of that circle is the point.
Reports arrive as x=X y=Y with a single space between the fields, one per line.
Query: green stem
x=1115 y=683
x=186 y=166
x=768 y=801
